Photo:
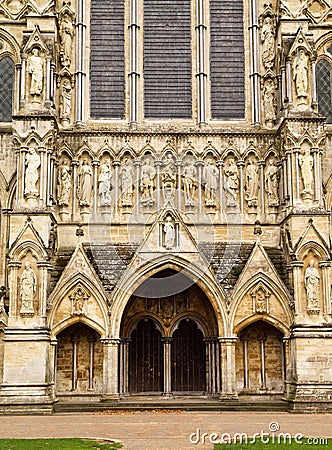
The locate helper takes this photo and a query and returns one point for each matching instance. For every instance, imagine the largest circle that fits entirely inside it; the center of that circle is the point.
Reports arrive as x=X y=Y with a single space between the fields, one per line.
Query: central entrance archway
x=168 y=339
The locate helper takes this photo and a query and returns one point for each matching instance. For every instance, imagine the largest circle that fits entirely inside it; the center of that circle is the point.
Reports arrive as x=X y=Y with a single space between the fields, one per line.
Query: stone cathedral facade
x=165 y=194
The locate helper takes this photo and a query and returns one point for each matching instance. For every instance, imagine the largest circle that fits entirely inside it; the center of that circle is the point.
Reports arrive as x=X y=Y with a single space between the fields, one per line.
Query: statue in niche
x=300 y=73
x=32 y=161
x=28 y=284
x=65 y=101
x=311 y=281
x=126 y=183
x=231 y=183
x=268 y=46
x=64 y=183
x=78 y=299
x=66 y=37
x=251 y=184
x=269 y=101
x=272 y=184
x=84 y=187
x=189 y=183
x=168 y=176
x=148 y=174
x=306 y=163
x=36 y=69
x=104 y=183
x=169 y=231
x=210 y=177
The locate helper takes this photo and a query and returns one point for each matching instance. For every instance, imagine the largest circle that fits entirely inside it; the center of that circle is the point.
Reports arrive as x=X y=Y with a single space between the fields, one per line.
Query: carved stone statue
x=169 y=233
x=189 y=183
x=311 y=280
x=104 y=183
x=126 y=183
x=64 y=183
x=268 y=44
x=306 y=163
x=271 y=184
x=210 y=177
x=65 y=101
x=168 y=176
x=36 y=69
x=28 y=285
x=269 y=101
x=84 y=187
x=66 y=36
x=32 y=161
x=251 y=183
x=148 y=174
x=231 y=183
x=300 y=74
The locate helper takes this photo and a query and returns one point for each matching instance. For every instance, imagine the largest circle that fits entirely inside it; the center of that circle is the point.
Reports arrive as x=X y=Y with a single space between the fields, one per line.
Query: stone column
x=261 y=341
x=245 y=363
x=220 y=165
x=284 y=98
x=43 y=174
x=325 y=267
x=17 y=81
x=91 y=340
x=317 y=175
x=254 y=63
x=137 y=164
x=53 y=363
x=116 y=165
x=297 y=267
x=124 y=366
x=49 y=82
x=289 y=178
x=111 y=359
x=228 y=369
x=167 y=342
x=75 y=212
x=199 y=165
x=95 y=165
x=21 y=173
x=201 y=74
x=23 y=78
x=74 y=339
x=158 y=164
x=314 y=103
x=240 y=164
x=296 y=163
x=261 y=165
x=133 y=68
x=289 y=84
x=80 y=60
x=178 y=186
x=13 y=267
x=43 y=267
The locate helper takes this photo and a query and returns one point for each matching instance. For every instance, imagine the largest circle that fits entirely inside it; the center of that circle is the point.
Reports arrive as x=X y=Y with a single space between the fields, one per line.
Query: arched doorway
x=260 y=365
x=146 y=358
x=79 y=361
x=188 y=358
x=169 y=339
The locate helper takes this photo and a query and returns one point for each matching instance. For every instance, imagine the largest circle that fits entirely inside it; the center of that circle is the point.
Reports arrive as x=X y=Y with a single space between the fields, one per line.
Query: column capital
x=112 y=342
x=228 y=340
x=116 y=163
x=324 y=264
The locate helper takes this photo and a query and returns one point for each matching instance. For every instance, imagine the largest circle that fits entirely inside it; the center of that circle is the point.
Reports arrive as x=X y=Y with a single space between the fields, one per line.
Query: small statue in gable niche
x=79 y=299
x=148 y=174
x=231 y=183
x=32 y=161
x=189 y=183
x=36 y=70
x=66 y=37
x=28 y=286
x=210 y=177
x=268 y=43
x=64 y=183
x=104 y=182
x=169 y=233
x=272 y=184
x=84 y=187
x=126 y=183
x=300 y=74
x=311 y=281
x=251 y=183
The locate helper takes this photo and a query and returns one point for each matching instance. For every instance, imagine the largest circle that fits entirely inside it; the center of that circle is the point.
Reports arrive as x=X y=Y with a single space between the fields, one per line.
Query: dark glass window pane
x=167 y=59
x=107 y=59
x=6 y=88
x=227 y=59
x=323 y=77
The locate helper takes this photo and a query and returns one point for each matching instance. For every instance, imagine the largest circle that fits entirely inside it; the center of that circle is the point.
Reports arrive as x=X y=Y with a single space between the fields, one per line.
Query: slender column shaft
x=74 y=165
x=116 y=165
x=289 y=82
x=167 y=366
x=241 y=190
x=245 y=364
x=91 y=360
x=199 y=187
x=201 y=74
x=23 y=78
x=137 y=164
x=133 y=69
x=95 y=164
x=74 y=364
x=263 y=369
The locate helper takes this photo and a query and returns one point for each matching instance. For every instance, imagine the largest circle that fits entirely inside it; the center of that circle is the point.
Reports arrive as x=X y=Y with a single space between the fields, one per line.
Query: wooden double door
x=160 y=364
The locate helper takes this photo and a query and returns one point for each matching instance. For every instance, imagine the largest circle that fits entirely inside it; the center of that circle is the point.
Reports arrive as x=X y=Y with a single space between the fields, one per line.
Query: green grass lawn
x=305 y=443
x=56 y=444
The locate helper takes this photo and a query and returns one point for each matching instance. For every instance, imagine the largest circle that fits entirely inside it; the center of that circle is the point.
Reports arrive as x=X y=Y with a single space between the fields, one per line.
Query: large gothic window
x=6 y=88
x=167 y=59
x=107 y=59
x=324 y=88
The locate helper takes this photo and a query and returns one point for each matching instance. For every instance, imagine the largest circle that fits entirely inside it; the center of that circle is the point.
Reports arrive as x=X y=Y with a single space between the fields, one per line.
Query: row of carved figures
x=210 y=182
x=208 y=175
